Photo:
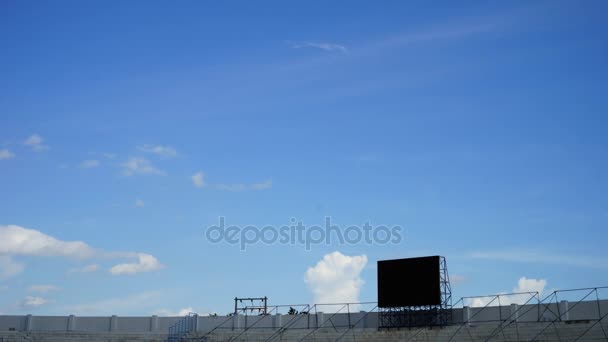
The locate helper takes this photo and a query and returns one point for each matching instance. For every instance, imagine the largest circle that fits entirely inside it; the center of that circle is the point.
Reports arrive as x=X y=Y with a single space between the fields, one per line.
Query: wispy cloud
x=541 y=257
x=434 y=34
x=245 y=187
x=437 y=34
x=89 y=164
x=6 y=154
x=9 y=267
x=457 y=279
x=42 y=288
x=140 y=166
x=121 y=305
x=140 y=203
x=35 y=142
x=162 y=151
x=463 y=28
x=330 y=47
x=442 y=33
x=34 y=302
x=198 y=179
x=85 y=269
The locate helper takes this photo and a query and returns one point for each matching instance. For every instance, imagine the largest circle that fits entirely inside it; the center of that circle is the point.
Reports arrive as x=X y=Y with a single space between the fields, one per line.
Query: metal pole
x=499 y=309
x=348 y=310
x=559 y=314
x=265 y=304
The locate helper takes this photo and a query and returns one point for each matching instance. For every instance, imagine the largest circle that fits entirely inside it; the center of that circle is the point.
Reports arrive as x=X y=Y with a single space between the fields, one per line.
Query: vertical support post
x=348 y=311
x=307 y=316
x=113 y=323
x=514 y=312
x=599 y=308
x=154 y=323
x=71 y=323
x=236 y=322
x=265 y=305
x=28 y=323
x=466 y=315
x=278 y=321
x=499 y=309
x=563 y=309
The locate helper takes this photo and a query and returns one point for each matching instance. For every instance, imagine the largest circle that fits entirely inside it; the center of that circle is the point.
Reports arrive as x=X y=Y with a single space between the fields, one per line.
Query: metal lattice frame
x=258 y=305
x=446 y=292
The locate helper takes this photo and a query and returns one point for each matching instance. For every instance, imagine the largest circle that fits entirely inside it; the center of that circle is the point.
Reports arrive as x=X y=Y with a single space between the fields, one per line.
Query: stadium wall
x=574 y=311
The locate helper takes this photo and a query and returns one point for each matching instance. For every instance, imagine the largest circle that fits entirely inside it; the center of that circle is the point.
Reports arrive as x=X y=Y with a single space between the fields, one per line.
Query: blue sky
x=479 y=128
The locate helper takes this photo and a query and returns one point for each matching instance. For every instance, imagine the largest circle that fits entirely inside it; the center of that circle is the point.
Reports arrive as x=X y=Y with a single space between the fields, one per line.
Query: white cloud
x=162 y=151
x=35 y=142
x=530 y=285
x=89 y=164
x=524 y=292
x=198 y=179
x=140 y=166
x=145 y=263
x=336 y=278
x=6 y=154
x=244 y=187
x=140 y=203
x=42 y=288
x=16 y=240
x=8 y=267
x=319 y=45
x=85 y=269
x=33 y=302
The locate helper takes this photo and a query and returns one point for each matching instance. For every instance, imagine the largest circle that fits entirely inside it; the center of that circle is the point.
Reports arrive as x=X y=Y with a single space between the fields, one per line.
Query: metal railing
x=495 y=314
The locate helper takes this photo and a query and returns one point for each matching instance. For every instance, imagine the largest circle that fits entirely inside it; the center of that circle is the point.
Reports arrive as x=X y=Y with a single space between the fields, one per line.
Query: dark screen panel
x=409 y=282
